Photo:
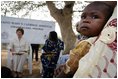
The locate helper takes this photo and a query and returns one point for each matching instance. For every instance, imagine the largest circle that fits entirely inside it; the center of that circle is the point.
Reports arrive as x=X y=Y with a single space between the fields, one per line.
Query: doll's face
x=92 y=21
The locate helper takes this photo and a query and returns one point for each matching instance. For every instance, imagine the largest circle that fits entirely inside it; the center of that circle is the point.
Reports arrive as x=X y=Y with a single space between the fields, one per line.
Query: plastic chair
x=29 y=60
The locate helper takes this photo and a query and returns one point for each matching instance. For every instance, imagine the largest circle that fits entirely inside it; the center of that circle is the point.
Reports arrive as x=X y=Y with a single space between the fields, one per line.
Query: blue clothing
x=50 y=57
x=62 y=59
x=51 y=46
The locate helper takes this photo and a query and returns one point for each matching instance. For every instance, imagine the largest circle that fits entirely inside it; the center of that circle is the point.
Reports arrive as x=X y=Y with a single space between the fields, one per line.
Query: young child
x=89 y=52
x=101 y=59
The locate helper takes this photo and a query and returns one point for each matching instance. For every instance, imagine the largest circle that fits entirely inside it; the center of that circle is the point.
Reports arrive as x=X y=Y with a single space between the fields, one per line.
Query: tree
x=64 y=19
x=62 y=16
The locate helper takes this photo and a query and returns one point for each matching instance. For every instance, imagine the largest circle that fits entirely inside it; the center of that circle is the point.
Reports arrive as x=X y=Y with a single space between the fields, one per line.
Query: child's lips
x=84 y=28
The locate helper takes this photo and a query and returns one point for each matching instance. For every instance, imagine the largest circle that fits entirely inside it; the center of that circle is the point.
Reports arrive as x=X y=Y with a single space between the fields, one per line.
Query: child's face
x=92 y=21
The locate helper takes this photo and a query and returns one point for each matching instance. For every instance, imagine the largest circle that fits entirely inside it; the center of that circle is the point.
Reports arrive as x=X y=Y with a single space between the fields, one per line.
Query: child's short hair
x=108 y=9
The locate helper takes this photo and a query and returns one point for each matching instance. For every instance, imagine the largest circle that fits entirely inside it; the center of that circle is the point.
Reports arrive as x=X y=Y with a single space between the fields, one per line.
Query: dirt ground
x=35 y=65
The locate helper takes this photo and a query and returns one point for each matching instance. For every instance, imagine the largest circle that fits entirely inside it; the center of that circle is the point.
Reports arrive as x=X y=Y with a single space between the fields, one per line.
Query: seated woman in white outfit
x=19 y=48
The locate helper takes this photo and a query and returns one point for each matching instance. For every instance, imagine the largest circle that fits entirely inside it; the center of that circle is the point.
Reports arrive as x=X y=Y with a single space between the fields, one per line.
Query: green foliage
x=16 y=6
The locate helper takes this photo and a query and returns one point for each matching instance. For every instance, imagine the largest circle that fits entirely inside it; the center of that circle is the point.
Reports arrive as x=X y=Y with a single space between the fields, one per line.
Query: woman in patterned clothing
x=49 y=58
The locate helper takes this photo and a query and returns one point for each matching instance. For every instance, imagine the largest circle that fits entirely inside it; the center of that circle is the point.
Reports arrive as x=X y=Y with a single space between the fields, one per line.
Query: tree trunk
x=68 y=35
x=64 y=19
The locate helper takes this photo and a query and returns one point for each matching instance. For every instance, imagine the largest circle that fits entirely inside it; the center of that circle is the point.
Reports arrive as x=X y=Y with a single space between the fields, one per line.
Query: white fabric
x=97 y=62
x=18 y=46
x=17 y=61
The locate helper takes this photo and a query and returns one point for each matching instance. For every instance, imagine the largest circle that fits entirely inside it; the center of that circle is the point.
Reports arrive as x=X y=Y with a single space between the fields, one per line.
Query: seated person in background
x=19 y=49
x=49 y=57
x=89 y=55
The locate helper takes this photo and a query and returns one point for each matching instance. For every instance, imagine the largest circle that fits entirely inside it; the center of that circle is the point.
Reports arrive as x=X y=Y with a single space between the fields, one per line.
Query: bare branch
x=68 y=9
x=52 y=8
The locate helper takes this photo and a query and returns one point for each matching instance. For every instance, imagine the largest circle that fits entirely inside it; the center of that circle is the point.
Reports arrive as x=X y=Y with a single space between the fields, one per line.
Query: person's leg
x=21 y=63
x=51 y=72
x=45 y=72
x=32 y=51
x=15 y=65
x=15 y=62
x=36 y=51
x=36 y=54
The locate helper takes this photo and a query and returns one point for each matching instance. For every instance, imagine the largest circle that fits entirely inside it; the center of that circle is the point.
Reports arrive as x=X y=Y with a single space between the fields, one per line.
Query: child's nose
x=86 y=20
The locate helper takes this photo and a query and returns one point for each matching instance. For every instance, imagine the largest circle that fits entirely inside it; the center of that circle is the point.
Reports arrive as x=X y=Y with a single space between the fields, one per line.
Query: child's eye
x=83 y=17
x=94 y=17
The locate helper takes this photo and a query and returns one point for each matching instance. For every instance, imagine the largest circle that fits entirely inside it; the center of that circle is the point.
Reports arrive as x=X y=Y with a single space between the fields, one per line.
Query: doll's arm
x=75 y=55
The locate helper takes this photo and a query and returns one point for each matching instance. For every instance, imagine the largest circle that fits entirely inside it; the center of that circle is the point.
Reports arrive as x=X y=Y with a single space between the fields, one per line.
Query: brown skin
x=92 y=22
x=111 y=3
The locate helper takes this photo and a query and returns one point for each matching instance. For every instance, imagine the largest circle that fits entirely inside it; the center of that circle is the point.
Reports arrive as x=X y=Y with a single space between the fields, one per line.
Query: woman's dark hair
x=6 y=72
x=53 y=36
x=20 y=29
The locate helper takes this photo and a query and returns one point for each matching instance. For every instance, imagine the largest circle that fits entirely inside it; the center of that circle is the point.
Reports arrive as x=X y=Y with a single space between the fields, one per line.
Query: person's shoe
x=20 y=75
x=14 y=74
